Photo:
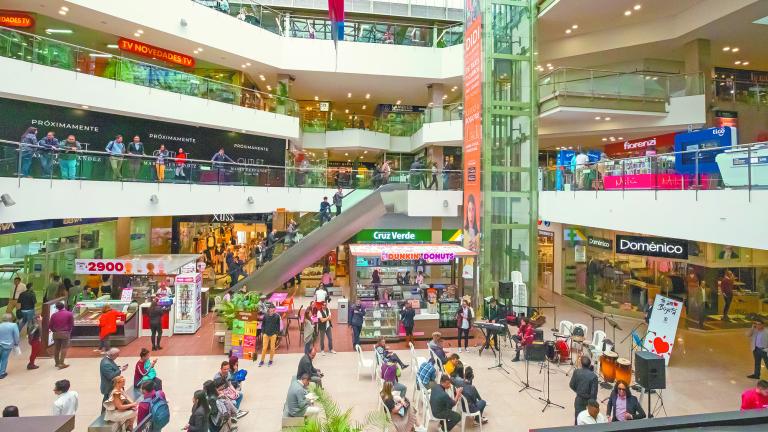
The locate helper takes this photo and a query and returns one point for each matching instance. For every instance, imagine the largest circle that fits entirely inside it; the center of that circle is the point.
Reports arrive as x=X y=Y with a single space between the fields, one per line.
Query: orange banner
x=150 y=51
x=473 y=127
x=16 y=19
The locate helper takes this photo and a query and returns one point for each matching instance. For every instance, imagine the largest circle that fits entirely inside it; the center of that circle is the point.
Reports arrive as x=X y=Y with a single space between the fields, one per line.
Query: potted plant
x=336 y=420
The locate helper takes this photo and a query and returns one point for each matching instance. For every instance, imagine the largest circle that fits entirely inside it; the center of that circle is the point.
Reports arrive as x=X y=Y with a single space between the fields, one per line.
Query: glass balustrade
x=315 y=122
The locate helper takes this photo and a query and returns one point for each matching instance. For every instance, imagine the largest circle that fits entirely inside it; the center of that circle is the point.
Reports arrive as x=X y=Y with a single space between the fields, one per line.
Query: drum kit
x=558 y=351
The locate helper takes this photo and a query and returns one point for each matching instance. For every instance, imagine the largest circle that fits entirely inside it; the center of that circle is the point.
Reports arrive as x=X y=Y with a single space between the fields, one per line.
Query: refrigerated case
x=380 y=321
x=447 y=310
x=87 y=314
x=188 y=308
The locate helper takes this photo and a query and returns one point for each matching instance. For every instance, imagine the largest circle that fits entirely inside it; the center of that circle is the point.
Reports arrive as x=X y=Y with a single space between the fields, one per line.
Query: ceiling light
x=570 y=147
x=349 y=160
x=621 y=138
x=112 y=46
x=598 y=118
x=84 y=106
x=100 y=55
x=367 y=95
x=137 y=34
x=349 y=95
x=744 y=63
x=363 y=106
x=269 y=87
x=549 y=64
x=65 y=9
x=58 y=31
x=627 y=13
x=61 y=12
x=637 y=7
x=445 y=97
x=398 y=102
x=568 y=31
x=243 y=66
x=317 y=98
x=366 y=152
x=605 y=139
x=247 y=64
x=612 y=138
x=607 y=119
x=200 y=49
x=140 y=31
x=726 y=48
x=346 y=154
x=575 y=26
x=737 y=62
x=735 y=49
x=346 y=111
x=261 y=77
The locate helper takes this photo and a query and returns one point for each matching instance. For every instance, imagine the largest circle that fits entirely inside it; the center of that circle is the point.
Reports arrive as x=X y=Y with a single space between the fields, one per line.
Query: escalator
x=391 y=198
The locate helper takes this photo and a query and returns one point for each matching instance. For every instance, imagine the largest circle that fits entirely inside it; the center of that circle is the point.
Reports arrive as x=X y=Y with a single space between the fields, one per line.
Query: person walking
x=33 y=337
x=116 y=150
x=160 y=157
x=136 y=156
x=9 y=339
x=198 y=421
x=181 y=159
x=108 y=371
x=325 y=329
x=68 y=157
x=46 y=147
x=356 y=319
x=338 y=197
x=407 y=316
x=27 y=150
x=308 y=331
x=584 y=384
x=758 y=342
x=325 y=211
x=61 y=324
x=726 y=288
x=27 y=301
x=156 y=313
x=108 y=326
x=66 y=400
x=270 y=328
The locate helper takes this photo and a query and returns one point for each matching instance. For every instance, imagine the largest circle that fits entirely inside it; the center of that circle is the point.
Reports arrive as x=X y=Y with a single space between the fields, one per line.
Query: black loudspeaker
x=650 y=370
x=505 y=290
x=538 y=334
x=536 y=351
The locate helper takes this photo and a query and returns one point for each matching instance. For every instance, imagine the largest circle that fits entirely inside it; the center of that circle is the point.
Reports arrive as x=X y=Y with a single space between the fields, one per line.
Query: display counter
x=87 y=314
x=381 y=321
x=743 y=303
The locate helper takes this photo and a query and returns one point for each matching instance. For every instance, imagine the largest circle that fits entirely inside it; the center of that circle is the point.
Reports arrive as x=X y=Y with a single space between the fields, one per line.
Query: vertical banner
x=662 y=327
x=473 y=124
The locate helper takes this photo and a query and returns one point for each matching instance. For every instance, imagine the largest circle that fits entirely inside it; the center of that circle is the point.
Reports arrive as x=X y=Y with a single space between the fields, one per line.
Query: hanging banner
x=473 y=124
x=662 y=327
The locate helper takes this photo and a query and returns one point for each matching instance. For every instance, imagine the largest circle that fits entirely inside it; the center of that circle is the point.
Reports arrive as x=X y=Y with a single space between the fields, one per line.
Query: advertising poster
x=662 y=327
x=473 y=125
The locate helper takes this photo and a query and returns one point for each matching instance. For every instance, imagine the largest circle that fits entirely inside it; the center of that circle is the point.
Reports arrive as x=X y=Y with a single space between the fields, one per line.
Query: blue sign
x=565 y=159
x=710 y=142
x=17 y=227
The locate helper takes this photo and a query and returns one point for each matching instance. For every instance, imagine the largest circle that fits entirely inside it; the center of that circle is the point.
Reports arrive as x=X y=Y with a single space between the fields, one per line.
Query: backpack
x=161 y=415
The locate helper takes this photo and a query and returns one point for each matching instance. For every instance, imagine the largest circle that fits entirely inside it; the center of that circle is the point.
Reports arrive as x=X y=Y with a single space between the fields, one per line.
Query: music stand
x=547 y=401
x=499 y=364
x=615 y=326
x=526 y=384
x=635 y=387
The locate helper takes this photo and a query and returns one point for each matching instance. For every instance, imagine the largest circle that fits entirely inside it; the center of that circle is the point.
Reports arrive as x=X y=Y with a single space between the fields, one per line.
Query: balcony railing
x=737 y=167
x=63 y=162
x=397 y=126
x=35 y=49
x=355 y=30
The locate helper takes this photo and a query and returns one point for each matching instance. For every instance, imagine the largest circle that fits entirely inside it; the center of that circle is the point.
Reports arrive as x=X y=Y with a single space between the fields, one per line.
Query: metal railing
x=735 y=91
x=23 y=160
x=738 y=167
x=41 y=50
x=630 y=85
x=397 y=126
x=355 y=30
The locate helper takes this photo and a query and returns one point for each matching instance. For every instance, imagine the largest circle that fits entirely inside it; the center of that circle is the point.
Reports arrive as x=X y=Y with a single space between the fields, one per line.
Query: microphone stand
x=547 y=401
x=526 y=383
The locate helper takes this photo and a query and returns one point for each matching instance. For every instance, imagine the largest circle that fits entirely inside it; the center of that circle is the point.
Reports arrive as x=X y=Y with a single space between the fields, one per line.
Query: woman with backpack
x=198 y=421
x=154 y=404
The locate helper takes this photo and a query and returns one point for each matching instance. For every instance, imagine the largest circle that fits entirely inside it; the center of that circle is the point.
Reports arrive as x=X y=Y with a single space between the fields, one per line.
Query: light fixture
x=84 y=106
x=367 y=95
x=605 y=139
x=349 y=95
x=137 y=34
x=346 y=154
x=200 y=49
x=637 y=7
x=112 y=46
x=445 y=97
x=100 y=55
x=250 y=200
x=744 y=63
x=612 y=138
x=7 y=200
x=317 y=98
x=62 y=12
x=346 y=111
x=398 y=102
x=607 y=119
x=261 y=77
x=140 y=31
x=247 y=64
x=735 y=49
x=65 y=9
x=349 y=160
x=366 y=151
x=58 y=31
x=737 y=62
x=568 y=31
x=727 y=48
x=154 y=199
x=598 y=118
x=621 y=138
x=243 y=66
x=627 y=13
x=570 y=147
x=575 y=26
x=269 y=87
x=363 y=106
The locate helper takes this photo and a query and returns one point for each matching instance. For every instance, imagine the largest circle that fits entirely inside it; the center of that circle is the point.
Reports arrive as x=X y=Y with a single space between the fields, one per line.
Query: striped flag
x=336 y=13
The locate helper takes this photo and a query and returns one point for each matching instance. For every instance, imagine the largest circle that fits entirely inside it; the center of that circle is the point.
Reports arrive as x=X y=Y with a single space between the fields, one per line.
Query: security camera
x=7 y=200
x=154 y=199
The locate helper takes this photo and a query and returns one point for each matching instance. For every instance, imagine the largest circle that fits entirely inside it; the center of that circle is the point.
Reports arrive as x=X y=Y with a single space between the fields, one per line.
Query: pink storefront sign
x=649 y=181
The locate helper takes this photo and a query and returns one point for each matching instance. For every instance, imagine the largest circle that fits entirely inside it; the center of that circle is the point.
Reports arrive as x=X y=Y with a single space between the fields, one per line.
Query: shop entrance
x=546 y=259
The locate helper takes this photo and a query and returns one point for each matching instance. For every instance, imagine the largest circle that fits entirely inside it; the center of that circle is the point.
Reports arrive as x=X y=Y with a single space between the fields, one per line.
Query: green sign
x=393 y=236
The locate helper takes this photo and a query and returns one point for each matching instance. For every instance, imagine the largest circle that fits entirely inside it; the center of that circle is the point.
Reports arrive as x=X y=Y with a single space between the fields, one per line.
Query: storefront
x=546 y=259
x=621 y=273
x=385 y=276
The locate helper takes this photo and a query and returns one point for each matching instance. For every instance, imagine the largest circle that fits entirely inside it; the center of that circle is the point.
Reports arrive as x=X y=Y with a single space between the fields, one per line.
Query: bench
x=292 y=422
x=101 y=425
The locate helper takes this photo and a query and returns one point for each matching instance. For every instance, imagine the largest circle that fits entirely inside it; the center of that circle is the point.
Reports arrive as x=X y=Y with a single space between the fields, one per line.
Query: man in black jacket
x=306 y=367
x=27 y=301
x=270 y=328
x=584 y=384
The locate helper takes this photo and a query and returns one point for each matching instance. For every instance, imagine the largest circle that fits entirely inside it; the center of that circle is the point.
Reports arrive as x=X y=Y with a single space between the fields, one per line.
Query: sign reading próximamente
x=652 y=246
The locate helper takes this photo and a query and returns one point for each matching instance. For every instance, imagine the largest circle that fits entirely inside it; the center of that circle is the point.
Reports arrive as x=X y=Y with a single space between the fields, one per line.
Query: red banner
x=638 y=147
x=473 y=126
x=149 y=51
x=16 y=19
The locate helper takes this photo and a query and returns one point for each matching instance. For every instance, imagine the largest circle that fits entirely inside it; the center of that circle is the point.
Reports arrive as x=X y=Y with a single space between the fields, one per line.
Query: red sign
x=16 y=19
x=473 y=128
x=638 y=147
x=150 y=51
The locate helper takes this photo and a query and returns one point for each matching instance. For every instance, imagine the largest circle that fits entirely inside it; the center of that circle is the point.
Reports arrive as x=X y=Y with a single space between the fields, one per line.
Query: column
x=698 y=58
x=435 y=93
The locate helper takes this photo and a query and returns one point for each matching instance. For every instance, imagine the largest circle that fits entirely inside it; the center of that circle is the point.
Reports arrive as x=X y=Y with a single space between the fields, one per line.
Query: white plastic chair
x=565 y=328
x=429 y=417
x=416 y=360
x=438 y=363
x=465 y=414
x=364 y=363
x=596 y=346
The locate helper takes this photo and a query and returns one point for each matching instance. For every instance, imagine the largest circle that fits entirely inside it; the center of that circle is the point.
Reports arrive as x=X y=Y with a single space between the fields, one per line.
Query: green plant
x=336 y=420
x=228 y=309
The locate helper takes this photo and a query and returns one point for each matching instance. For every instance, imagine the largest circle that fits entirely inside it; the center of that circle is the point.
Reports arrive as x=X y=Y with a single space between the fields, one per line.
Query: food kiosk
x=136 y=279
x=435 y=300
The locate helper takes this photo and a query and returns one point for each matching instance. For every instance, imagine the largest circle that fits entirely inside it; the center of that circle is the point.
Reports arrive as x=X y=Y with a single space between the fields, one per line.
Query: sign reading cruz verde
x=394 y=235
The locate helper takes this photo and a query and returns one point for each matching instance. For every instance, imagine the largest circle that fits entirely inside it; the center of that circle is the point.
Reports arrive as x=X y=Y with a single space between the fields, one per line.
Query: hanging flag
x=336 y=14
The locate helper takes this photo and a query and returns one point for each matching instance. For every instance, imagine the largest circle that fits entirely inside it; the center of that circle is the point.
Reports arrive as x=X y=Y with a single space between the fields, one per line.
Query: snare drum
x=562 y=350
x=549 y=350
x=608 y=366
x=624 y=371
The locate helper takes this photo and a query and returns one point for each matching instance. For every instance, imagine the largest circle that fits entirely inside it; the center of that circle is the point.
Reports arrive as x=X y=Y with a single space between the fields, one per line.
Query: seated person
x=441 y=403
x=148 y=392
x=457 y=375
x=436 y=345
x=307 y=367
x=233 y=393
x=591 y=415
x=296 y=403
x=450 y=364
x=385 y=354
x=755 y=398
x=403 y=418
x=426 y=373
x=144 y=370
x=389 y=375
x=119 y=407
x=475 y=401
x=524 y=336
x=622 y=405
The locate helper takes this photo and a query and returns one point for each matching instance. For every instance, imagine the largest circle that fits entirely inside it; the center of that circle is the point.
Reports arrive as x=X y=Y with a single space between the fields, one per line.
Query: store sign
x=149 y=51
x=639 y=146
x=600 y=242
x=652 y=246
x=726 y=118
x=17 y=227
x=662 y=327
x=16 y=19
x=119 y=266
x=223 y=217
x=394 y=235
x=429 y=257
x=325 y=106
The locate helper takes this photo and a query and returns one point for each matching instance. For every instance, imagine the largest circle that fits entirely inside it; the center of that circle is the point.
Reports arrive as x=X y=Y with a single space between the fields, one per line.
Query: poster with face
x=473 y=127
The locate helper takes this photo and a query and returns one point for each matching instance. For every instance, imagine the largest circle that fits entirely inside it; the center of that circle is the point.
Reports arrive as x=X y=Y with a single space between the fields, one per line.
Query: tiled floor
x=707 y=374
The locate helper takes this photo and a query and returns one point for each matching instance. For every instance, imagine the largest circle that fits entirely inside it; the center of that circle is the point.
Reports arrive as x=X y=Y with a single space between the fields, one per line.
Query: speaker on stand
x=650 y=374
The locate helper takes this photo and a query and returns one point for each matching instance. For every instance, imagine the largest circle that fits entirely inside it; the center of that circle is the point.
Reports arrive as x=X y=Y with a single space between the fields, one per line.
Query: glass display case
x=87 y=314
x=380 y=322
x=447 y=310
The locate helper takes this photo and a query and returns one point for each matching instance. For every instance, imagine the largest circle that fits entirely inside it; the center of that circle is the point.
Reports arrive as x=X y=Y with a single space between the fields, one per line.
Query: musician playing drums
x=524 y=336
x=495 y=315
x=584 y=384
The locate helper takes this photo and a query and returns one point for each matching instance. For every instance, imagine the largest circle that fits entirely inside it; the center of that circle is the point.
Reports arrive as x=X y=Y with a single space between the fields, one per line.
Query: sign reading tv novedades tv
x=96 y=129
x=652 y=246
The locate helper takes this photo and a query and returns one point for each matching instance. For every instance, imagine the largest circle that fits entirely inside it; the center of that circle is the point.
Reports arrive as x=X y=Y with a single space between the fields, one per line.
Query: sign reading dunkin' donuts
x=652 y=246
x=153 y=52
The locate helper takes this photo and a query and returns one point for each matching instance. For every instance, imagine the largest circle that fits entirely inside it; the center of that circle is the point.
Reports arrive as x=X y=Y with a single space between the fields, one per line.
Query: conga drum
x=608 y=366
x=624 y=371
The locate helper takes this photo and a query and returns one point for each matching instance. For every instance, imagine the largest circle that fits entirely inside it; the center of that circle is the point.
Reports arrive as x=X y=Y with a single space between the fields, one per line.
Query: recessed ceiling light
x=445 y=97
x=575 y=26
x=112 y=46
x=735 y=49
x=605 y=139
x=726 y=48
x=62 y=12
x=100 y=55
x=65 y=9
x=261 y=77
x=607 y=119
x=568 y=31
x=398 y=102
x=627 y=13
x=598 y=118
x=85 y=106
x=637 y=7
x=363 y=106
x=570 y=147
x=140 y=31
x=549 y=64
x=346 y=154
x=317 y=98
x=367 y=95
x=269 y=87
x=247 y=64
x=737 y=62
x=349 y=160
x=58 y=31
x=346 y=111
x=243 y=66
x=621 y=138
x=137 y=34
x=366 y=152
x=349 y=95
x=744 y=63
x=200 y=49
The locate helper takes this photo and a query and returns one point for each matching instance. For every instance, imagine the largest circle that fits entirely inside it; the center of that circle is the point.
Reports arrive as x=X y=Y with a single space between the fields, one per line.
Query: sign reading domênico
x=600 y=242
x=394 y=235
x=652 y=246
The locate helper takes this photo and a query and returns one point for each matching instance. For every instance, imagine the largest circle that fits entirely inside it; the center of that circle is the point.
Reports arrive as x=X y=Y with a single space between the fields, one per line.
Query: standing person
x=61 y=324
x=18 y=288
x=27 y=301
x=338 y=197
x=181 y=159
x=306 y=366
x=464 y=318
x=386 y=170
x=160 y=157
x=108 y=326
x=442 y=404
x=433 y=171
x=116 y=150
x=68 y=157
x=584 y=384
x=325 y=211
x=218 y=160
x=119 y=407
x=144 y=370
x=109 y=370
x=198 y=421
x=136 y=153
x=375 y=281
x=33 y=336
x=156 y=313
x=66 y=400
x=46 y=147
x=447 y=167
x=356 y=319
x=27 y=151
x=622 y=405
x=270 y=328
x=308 y=331
x=758 y=341
x=755 y=398
x=153 y=402
x=407 y=316
x=591 y=415
x=326 y=279
x=726 y=287
x=271 y=241
x=9 y=339
x=325 y=328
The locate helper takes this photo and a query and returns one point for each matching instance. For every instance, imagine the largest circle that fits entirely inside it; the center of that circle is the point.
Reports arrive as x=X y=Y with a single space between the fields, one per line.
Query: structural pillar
x=435 y=93
x=699 y=68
